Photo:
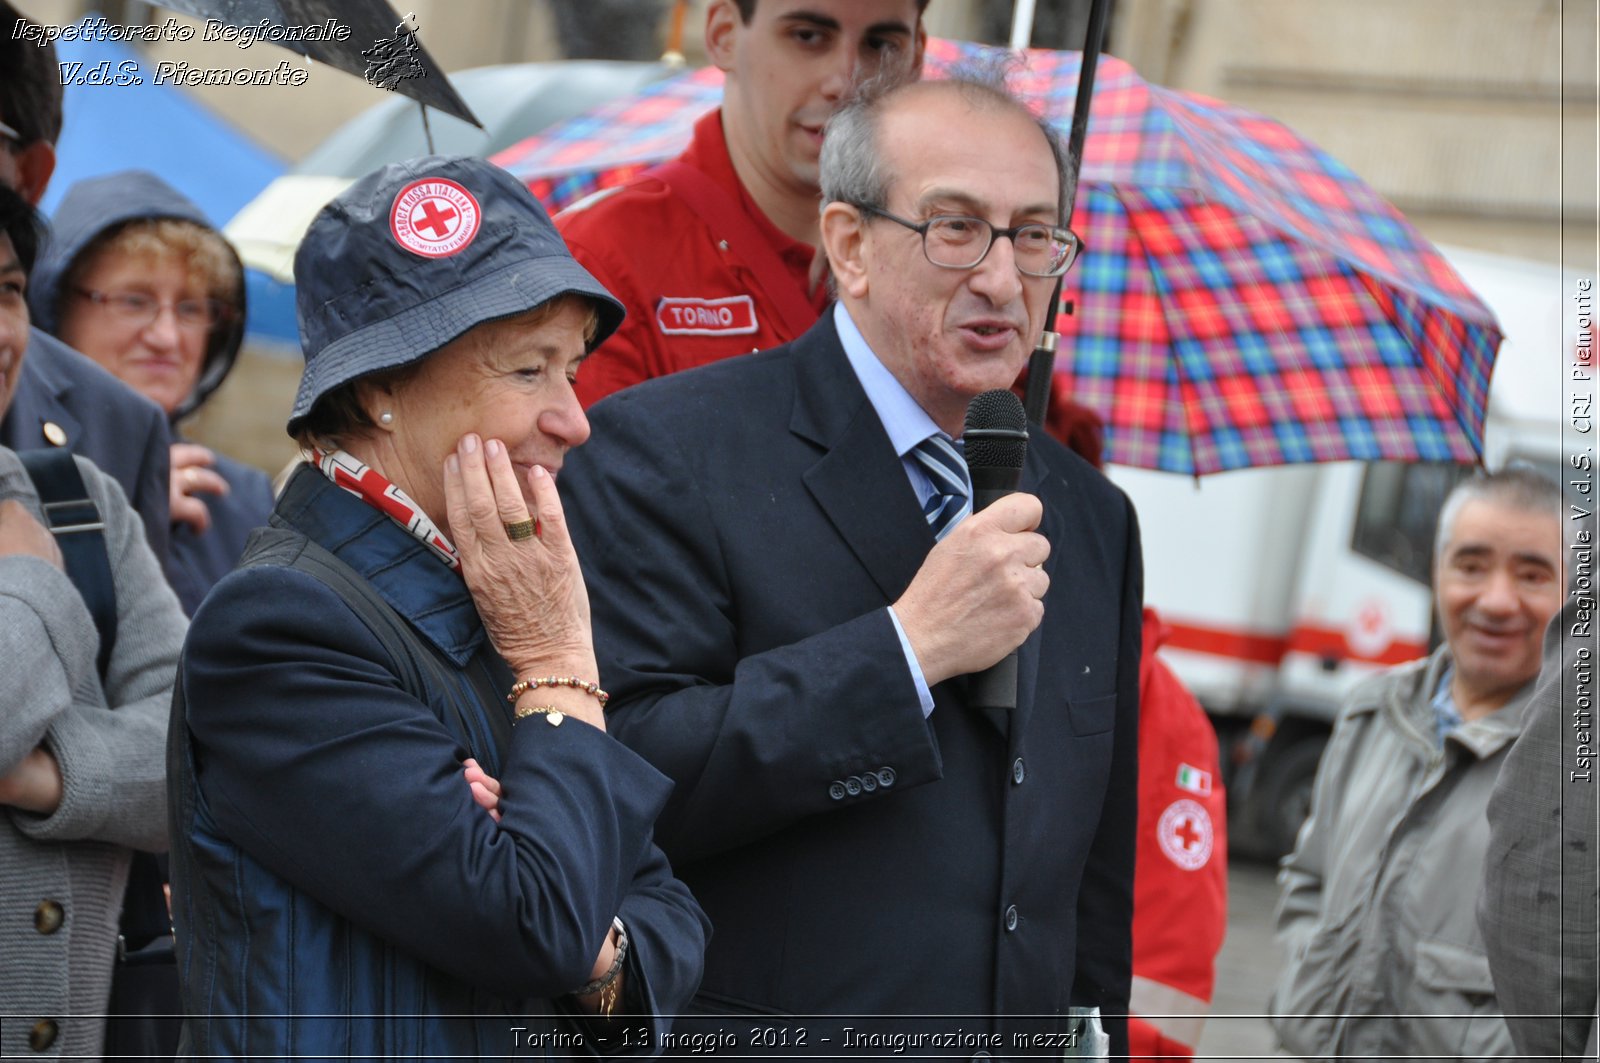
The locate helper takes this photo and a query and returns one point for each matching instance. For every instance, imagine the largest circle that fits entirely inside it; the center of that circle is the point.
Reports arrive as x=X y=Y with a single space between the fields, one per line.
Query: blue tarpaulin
x=161 y=128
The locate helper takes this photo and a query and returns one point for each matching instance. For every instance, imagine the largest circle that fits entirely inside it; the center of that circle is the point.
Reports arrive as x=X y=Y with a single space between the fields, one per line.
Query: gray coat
x=1376 y=916
x=1537 y=911
x=110 y=744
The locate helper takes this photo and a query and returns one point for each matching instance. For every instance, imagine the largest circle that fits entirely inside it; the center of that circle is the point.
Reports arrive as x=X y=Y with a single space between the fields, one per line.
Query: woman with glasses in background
x=137 y=279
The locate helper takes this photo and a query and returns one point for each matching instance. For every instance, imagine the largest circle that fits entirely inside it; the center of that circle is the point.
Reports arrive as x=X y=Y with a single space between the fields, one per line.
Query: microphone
x=995 y=441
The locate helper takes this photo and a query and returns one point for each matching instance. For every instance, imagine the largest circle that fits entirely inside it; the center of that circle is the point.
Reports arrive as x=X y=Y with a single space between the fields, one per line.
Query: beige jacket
x=1377 y=915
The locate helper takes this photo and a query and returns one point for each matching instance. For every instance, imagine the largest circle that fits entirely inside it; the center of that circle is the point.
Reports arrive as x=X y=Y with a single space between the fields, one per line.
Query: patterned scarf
x=372 y=488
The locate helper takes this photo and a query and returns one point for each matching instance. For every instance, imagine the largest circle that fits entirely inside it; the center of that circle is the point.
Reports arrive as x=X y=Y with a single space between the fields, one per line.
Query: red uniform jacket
x=1180 y=881
x=695 y=291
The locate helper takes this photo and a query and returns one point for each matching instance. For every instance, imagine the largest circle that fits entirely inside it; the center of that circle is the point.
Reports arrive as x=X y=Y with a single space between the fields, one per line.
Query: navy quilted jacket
x=336 y=892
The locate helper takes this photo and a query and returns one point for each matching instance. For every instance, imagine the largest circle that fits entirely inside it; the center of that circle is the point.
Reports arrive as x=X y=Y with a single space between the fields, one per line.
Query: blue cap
x=412 y=256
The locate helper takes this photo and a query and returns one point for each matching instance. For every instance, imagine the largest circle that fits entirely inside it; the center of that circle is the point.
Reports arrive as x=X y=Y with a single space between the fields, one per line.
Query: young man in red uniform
x=1180 y=879
x=714 y=254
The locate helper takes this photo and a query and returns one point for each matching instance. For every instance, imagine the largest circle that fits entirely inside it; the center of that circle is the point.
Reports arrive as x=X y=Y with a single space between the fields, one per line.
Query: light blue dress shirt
x=907 y=424
x=1446 y=717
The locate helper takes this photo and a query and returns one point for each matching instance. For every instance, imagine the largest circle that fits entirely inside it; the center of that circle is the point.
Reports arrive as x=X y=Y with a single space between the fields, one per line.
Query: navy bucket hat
x=412 y=256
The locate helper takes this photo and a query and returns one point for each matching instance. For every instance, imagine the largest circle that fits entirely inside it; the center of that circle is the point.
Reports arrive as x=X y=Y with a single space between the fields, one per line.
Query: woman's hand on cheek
x=530 y=591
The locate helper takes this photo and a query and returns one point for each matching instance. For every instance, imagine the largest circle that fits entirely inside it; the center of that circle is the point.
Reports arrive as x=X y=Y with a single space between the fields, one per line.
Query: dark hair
x=24 y=225
x=338 y=415
x=30 y=91
x=747 y=9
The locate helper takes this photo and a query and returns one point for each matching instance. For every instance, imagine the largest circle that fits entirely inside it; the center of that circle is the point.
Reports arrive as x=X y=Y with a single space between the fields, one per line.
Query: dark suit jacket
x=104 y=420
x=743 y=528
x=1539 y=899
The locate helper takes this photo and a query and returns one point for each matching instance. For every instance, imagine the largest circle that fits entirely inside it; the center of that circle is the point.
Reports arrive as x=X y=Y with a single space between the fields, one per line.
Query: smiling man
x=789 y=598
x=1384 y=956
x=715 y=253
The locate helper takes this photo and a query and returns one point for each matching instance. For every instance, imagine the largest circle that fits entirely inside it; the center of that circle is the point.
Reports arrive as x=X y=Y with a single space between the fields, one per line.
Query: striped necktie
x=952 y=487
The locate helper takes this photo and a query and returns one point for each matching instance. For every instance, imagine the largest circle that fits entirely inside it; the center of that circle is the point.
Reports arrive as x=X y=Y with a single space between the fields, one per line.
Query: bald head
x=853 y=169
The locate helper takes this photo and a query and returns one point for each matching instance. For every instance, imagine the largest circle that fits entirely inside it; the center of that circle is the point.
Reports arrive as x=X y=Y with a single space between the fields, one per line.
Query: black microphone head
x=996 y=435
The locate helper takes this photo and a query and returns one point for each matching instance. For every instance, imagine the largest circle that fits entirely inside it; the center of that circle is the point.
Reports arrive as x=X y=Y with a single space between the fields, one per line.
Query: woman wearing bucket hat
x=399 y=826
x=135 y=277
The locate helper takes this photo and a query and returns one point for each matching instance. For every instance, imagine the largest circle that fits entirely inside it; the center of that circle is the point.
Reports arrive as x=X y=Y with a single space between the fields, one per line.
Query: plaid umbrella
x=1243 y=299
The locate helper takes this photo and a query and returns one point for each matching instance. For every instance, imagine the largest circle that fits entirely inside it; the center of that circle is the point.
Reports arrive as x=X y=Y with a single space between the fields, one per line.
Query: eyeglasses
x=139 y=309
x=957 y=241
x=7 y=133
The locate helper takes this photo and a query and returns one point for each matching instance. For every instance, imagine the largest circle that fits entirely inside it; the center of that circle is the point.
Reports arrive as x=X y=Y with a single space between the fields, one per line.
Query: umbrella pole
x=672 y=55
x=1041 y=364
x=1021 y=25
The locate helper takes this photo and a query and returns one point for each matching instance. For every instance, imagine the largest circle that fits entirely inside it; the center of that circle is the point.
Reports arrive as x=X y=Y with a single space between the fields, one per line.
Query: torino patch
x=684 y=316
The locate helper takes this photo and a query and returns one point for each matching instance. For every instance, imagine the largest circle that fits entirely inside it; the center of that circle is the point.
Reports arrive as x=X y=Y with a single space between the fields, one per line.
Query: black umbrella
x=1041 y=365
x=377 y=48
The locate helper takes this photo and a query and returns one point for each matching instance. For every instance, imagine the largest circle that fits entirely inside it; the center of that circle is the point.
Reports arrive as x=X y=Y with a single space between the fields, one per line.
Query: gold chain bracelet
x=552 y=715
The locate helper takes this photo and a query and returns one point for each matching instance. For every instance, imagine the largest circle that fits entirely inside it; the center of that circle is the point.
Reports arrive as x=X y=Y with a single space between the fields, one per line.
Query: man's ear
x=35 y=164
x=722 y=33
x=843 y=239
x=919 y=47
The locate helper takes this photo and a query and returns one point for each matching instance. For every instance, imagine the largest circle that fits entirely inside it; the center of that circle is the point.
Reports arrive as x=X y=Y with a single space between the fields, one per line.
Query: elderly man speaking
x=786 y=608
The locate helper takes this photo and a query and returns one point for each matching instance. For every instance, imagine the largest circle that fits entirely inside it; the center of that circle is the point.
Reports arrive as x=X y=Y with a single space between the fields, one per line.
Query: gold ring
x=521 y=529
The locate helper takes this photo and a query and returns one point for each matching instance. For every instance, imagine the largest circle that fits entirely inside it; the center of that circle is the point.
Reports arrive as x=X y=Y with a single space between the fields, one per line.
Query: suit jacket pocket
x=1092 y=716
x=1302 y=1007
x=1446 y=968
x=1458 y=1016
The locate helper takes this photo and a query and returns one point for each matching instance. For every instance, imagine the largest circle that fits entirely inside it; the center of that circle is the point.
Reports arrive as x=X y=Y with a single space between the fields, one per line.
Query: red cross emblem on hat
x=434 y=217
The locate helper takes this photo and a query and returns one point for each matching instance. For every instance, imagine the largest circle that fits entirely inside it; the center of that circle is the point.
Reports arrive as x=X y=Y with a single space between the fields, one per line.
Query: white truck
x=1285 y=586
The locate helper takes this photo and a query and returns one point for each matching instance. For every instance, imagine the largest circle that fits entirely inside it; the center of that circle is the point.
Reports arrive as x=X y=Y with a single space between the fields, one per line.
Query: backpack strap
x=75 y=521
x=281 y=545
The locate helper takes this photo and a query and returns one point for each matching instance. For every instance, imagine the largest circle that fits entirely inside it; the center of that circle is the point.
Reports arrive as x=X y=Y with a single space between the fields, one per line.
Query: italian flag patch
x=1193 y=779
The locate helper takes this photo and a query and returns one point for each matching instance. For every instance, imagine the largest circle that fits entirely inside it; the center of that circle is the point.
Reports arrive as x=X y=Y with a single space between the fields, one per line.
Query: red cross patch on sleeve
x=1185 y=834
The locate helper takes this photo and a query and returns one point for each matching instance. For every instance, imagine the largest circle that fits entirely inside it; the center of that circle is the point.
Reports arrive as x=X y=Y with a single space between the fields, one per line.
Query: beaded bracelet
x=522 y=686
x=552 y=715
